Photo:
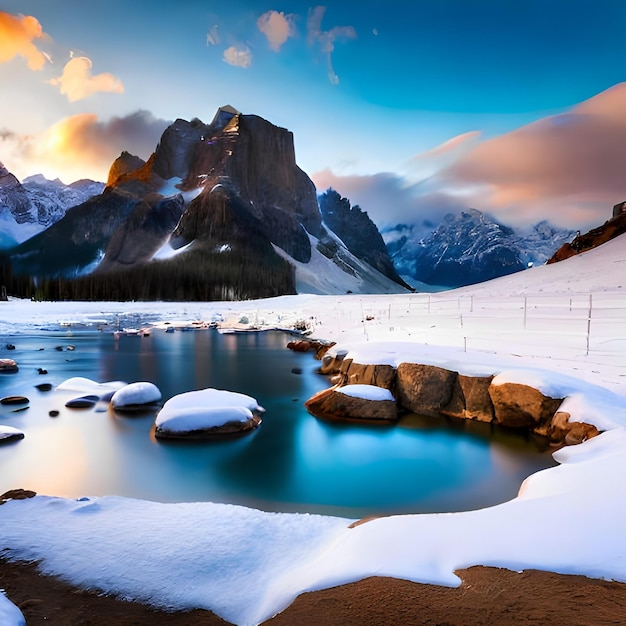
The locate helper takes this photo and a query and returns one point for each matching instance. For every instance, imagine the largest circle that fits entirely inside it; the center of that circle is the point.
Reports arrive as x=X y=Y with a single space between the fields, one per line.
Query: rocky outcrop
x=521 y=406
x=334 y=404
x=14 y=197
x=470 y=399
x=358 y=232
x=612 y=228
x=436 y=391
x=571 y=433
x=144 y=232
x=424 y=389
x=124 y=164
x=351 y=373
x=252 y=163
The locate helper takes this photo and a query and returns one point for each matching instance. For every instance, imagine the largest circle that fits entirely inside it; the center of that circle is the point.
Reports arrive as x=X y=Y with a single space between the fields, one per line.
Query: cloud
x=213 y=37
x=82 y=146
x=239 y=57
x=388 y=199
x=277 y=27
x=76 y=82
x=17 y=33
x=326 y=38
x=568 y=168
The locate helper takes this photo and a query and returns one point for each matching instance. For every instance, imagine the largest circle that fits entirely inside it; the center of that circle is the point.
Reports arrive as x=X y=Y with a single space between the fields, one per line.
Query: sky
x=410 y=109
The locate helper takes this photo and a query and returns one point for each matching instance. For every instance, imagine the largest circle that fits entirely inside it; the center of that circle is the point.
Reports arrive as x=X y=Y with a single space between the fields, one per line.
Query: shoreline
x=486 y=596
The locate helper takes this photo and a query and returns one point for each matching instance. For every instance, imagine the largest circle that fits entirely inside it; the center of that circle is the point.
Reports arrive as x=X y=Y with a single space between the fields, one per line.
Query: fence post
x=589 y=321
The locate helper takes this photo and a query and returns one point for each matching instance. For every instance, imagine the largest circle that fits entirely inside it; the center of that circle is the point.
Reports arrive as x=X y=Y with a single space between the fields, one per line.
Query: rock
x=84 y=402
x=470 y=399
x=53 y=413
x=138 y=396
x=521 y=406
x=370 y=374
x=10 y=346
x=424 y=389
x=331 y=364
x=8 y=366
x=206 y=414
x=296 y=370
x=41 y=371
x=339 y=403
x=16 y=494
x=580 y=432
x=44 y=386
x=561 y=430
x=13 y=400
x=8 y=433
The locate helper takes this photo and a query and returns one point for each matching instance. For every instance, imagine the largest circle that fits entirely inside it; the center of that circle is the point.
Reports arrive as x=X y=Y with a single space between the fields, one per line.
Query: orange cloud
x=567 y=163
x=81 y=146
x=76 y=82
x=239 y=57
x=17 y=33
x=277 y=27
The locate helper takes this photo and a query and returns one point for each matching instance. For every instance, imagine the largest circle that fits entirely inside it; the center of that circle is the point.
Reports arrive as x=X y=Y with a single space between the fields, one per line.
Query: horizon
x=411 y=112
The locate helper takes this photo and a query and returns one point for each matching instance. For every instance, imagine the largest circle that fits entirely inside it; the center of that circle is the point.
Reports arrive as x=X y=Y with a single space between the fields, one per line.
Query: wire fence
x=591 y=326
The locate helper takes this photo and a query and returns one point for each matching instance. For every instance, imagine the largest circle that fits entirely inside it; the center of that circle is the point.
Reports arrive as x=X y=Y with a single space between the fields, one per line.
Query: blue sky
x=393 y=103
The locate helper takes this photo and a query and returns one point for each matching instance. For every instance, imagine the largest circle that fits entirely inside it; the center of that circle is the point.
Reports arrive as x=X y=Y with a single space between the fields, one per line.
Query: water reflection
x=293 y=462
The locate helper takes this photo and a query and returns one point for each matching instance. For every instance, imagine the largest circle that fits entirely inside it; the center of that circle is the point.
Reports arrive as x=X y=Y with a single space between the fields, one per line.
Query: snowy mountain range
x=219 y=211
x=29 y=207
x=470 y=247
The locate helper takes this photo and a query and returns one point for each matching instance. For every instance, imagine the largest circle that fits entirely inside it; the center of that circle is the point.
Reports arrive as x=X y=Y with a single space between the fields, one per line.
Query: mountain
x=357 y=231
x=470 y=247
x=29 y=207
x=218 y=211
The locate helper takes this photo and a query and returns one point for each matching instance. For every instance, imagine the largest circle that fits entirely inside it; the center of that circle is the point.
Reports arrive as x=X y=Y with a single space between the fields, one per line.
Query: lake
x=293 y=462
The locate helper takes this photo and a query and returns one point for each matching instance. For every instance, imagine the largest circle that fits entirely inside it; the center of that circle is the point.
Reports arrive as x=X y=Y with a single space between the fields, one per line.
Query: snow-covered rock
x=354 y=402
x=87 y=386
x=207 y=413
x=8 y=433
x=136 y=397
x=10 y=615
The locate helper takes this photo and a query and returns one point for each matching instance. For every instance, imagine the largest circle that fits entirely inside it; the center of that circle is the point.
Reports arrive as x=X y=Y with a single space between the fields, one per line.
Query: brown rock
x=580 y=432
x=332 y=364
x=371 y=374
x=16 y=494
x=424 y=389
x=470 y=399
x=522 y=406
x=8 y=365
x=561 y=430
x=332 y=404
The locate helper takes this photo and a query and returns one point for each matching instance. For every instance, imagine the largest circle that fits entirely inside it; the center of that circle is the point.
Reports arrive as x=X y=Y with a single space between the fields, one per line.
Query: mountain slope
x=471 y=247
x=219 y=210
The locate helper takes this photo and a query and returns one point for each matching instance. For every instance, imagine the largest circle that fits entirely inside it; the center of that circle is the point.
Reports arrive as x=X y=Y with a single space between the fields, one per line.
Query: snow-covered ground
x=561 y=328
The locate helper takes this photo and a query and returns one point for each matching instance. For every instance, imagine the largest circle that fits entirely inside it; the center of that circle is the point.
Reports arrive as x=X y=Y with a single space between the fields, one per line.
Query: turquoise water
x=293 y=462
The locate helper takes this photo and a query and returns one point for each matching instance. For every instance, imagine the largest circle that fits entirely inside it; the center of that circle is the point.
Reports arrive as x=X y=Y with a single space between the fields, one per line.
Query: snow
x=204 y=409
x=200 y=418
x=136 y=393
x=8 y=431
x=10 y=615
x=558 y=327
x=367 y=392
x=87 y=386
